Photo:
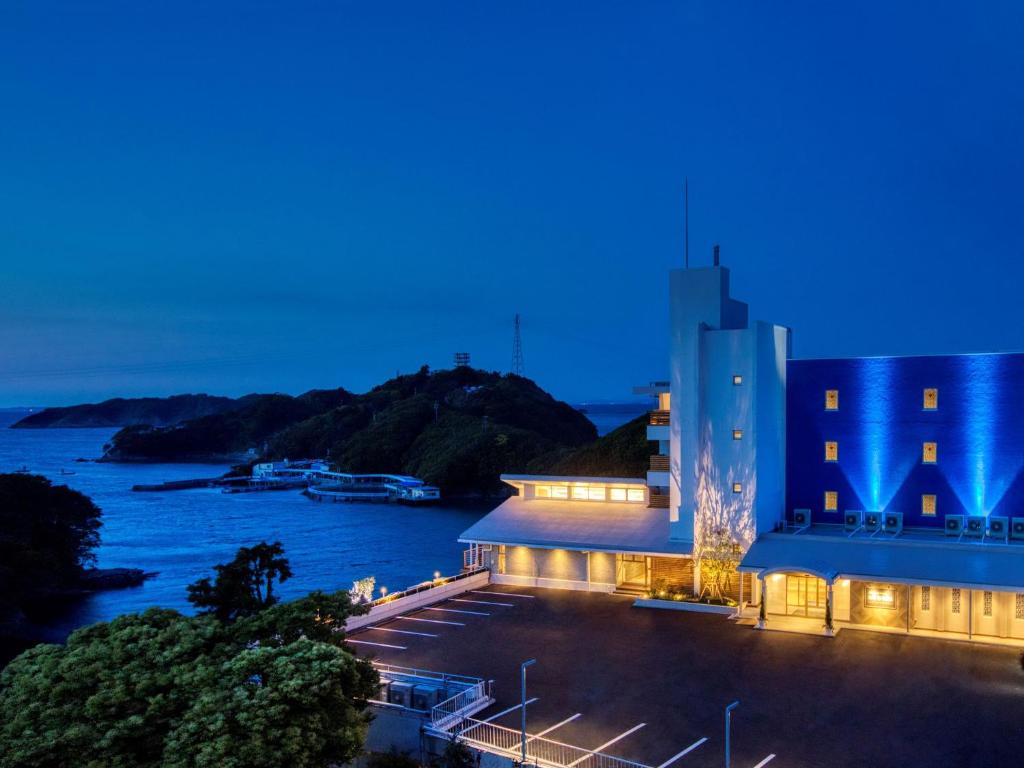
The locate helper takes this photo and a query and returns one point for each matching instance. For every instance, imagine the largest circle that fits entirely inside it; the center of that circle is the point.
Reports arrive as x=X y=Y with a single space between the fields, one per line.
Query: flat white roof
x=517 y=480
x=980 y=565
x=578 y=525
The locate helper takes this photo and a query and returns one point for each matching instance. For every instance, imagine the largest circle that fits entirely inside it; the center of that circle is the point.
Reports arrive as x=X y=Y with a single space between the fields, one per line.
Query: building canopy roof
x=579 y=525
x=936 y=562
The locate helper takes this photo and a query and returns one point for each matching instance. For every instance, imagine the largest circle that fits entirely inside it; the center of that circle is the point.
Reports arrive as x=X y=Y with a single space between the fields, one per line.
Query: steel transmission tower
x=517 y=349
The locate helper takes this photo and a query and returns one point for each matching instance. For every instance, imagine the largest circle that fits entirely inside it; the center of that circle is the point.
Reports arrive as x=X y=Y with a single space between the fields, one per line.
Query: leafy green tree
x=456 y=755
x=391 y=759
x=245 y=586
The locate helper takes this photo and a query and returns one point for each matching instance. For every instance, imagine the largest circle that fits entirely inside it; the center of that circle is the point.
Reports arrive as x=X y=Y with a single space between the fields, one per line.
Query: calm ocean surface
x=182 y=534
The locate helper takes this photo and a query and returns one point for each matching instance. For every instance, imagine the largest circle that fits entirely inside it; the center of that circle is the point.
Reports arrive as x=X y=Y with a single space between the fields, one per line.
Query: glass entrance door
x=805 y=595
x=632 y=570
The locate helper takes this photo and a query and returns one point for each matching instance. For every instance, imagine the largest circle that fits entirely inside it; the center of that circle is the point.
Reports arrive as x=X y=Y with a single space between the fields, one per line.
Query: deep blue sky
x=207 y=197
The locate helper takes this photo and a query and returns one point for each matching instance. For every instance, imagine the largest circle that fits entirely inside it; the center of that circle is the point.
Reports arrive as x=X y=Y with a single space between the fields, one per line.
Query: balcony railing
x=659 y=500
x=659 y=463
x=659 y=418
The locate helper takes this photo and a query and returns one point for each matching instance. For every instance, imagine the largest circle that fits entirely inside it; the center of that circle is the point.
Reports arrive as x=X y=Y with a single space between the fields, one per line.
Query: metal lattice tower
x=517 y=349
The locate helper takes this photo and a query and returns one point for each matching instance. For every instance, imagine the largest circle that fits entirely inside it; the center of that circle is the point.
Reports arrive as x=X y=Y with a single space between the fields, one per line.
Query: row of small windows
x=588 y=493
x=929 y=451
x=986 y=602
x=928 y=505
x=930 y=398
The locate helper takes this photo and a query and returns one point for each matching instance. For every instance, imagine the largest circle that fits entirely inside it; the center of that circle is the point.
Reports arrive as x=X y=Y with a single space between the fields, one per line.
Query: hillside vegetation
x=458 y=429
x=122 y=412
x=623 y=452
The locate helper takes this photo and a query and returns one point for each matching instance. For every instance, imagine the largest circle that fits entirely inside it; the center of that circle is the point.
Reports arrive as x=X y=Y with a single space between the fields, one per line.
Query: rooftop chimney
x=716 y=255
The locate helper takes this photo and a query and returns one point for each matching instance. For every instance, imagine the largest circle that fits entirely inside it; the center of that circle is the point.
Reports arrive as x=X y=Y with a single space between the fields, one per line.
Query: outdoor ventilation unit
x=893 y=522
x=997 y=527
x=975 y=526
x=424 y=697
x=1017 y=528
x=872 y=521
x=400 y=694
x=801 y=518
x=853 y=519
x=954 y=525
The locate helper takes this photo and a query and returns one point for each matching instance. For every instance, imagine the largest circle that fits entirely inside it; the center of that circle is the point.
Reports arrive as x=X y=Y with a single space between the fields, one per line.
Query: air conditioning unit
x=853 y=519
x=954 y=525
x=1017 y=528
x=997 y=527
x=425 y=697
x=382 y=691
x=893 y=522
x=801 y=518
x=872 y=521
x=975 y=526
x=400 y=694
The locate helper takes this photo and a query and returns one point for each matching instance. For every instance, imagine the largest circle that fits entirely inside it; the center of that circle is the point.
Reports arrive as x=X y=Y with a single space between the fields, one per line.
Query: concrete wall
x=557 y=569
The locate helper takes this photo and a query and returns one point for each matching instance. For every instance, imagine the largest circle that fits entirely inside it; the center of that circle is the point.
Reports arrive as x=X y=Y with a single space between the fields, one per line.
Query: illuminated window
x=579 y=492
x=987 y=609
x=596 y=494
x=737 y=487
x=502 y=558
x=926 y=598
x=542 y=491
x=956 y=600
x=831 y=501
x=737 y=434
x=737 y=380
x=931 y=399
x=1018 y=609
x=559 y=492
x=881 y=596
x=831 y=399
x=831 y=451
x=617 y=494
x=928 y=504
x=930 y=453
x=635 y=494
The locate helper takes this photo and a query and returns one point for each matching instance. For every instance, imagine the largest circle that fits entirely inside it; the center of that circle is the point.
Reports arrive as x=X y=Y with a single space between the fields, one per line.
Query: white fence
x=418 y=596
x=455 y=710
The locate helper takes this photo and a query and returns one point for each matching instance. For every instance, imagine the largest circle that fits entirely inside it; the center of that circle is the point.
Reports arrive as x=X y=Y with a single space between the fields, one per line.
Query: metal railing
x=389 y=598
x=394 y=672
x=508 y=742
x=660 y=418
x=659 y=463
x=453 y=711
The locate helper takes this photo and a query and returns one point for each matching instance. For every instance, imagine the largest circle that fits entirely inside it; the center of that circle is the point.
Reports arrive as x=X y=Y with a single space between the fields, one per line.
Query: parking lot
x=651 y=685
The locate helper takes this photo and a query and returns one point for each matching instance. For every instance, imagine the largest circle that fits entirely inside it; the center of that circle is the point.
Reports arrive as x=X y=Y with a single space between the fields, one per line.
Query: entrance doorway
x=805 y=595
x=632 y=571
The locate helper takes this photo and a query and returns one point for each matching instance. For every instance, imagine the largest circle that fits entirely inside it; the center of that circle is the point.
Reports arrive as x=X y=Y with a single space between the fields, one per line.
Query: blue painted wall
x=881 y=425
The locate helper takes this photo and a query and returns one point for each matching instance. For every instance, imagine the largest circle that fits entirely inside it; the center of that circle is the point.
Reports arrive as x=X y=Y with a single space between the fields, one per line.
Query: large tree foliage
x=161 y=689
x=245 y=586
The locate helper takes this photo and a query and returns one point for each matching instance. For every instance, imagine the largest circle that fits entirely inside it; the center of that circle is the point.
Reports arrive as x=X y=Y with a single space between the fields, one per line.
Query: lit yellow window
x=831 y=501
x=931 y=399
x=579 y=492
x=737 y=379
x=831 y=399
x=635 y=494
x=617 y=494
x=930 y=453
x=596 y=494
x=559 y=492
x=737 y=434
x=737 y=487
x=831 y=451
x=928 y=504
x=542 y=491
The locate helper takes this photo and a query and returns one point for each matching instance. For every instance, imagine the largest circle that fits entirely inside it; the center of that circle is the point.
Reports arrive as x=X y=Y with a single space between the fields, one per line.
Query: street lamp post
x=728 y=720
x=522 y=673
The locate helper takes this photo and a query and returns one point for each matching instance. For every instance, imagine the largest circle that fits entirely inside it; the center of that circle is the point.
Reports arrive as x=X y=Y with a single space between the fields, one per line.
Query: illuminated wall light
x=881 y=596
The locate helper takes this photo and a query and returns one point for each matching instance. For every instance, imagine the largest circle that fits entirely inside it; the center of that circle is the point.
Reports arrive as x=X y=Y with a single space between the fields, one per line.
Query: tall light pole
x=728 y=719
x=522 y=674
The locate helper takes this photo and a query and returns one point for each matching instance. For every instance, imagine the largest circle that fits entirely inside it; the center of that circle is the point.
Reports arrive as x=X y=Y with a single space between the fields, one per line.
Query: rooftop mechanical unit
x=975 y=526
x=997 y=527
x=426 y=697
x=400 y=694
x=801 y=518
x=954 y=525
x=1017 y=527
x=893 y=522
x=872 y=521
x=853 y=519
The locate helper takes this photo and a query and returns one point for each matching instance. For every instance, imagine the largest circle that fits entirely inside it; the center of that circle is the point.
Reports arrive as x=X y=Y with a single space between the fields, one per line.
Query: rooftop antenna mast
x=517 y=348
x=686 y=219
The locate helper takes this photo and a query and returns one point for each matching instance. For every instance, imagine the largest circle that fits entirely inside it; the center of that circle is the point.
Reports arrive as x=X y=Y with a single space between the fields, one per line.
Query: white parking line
x=457 y=610
x=766 y=760
x=431 y=621
x=482 y=602
x=402 y=632
x=502 y=594
x=684 y=752
x=607 y=744
x=379 y=645
x=510 y=709
x=556 y=725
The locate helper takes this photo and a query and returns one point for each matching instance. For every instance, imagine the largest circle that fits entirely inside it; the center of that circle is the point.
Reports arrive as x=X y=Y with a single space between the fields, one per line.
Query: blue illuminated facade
x=882 y=424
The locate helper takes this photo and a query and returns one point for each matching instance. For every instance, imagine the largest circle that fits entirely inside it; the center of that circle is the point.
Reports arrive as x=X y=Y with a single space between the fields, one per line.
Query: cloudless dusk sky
x=239 y=197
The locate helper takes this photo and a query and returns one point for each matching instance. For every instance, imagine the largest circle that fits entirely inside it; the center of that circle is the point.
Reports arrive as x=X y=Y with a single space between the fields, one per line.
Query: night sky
x=276 y=197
